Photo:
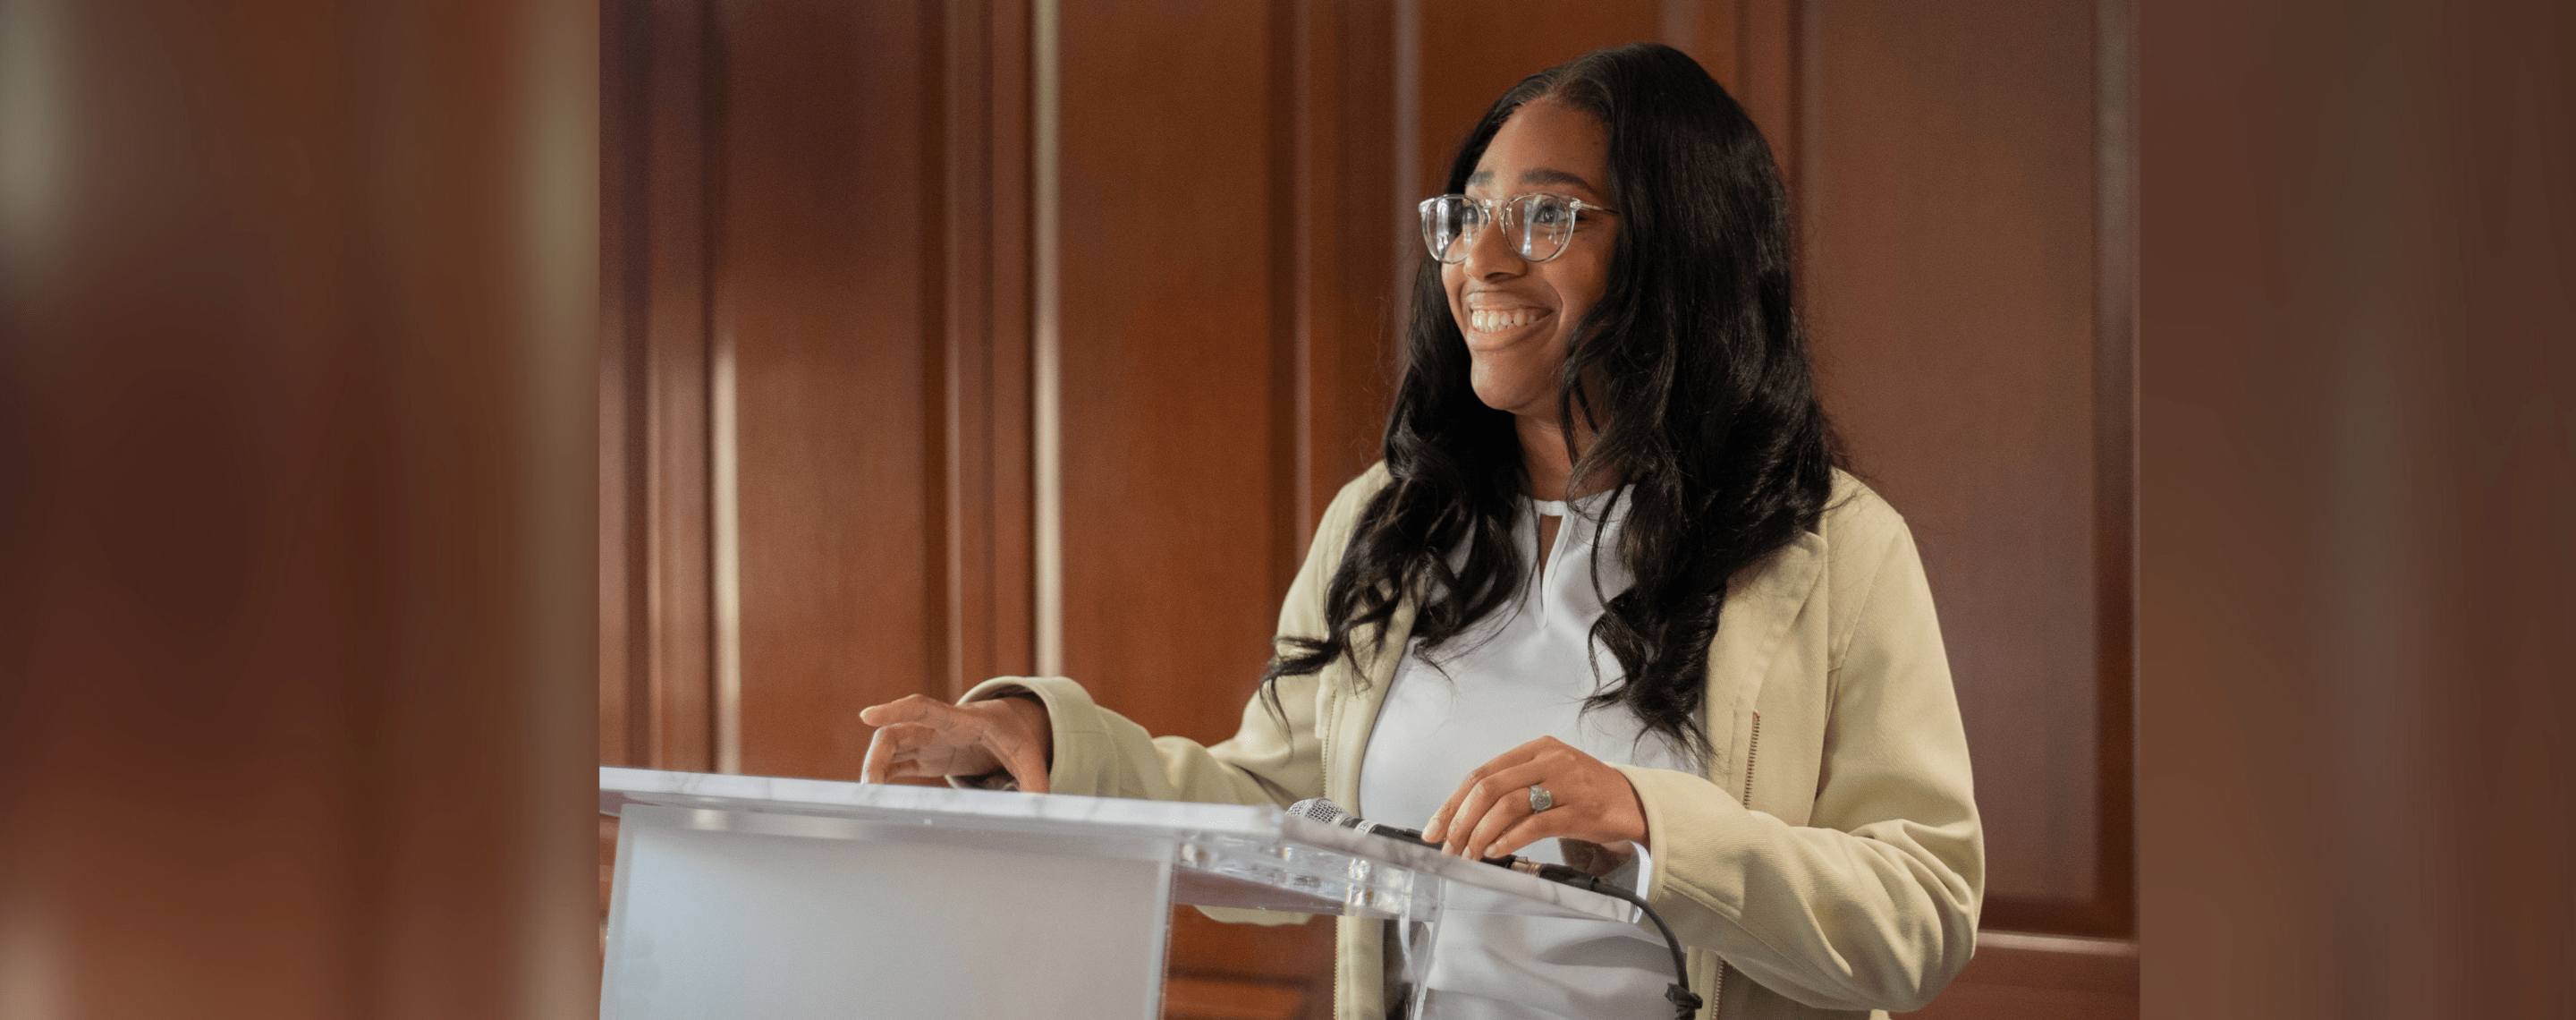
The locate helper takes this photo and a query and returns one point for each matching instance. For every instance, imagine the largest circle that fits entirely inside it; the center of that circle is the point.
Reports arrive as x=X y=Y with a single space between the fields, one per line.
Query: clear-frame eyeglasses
x=1538 y=224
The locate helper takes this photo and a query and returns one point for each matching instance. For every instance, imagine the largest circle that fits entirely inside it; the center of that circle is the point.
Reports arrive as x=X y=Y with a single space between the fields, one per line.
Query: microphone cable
x=1685 y=1002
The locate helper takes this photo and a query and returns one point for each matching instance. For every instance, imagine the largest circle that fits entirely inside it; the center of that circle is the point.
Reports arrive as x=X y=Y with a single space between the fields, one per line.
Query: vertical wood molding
x=1046 y=398
x=1292 y=207
x=953 y=146
x=677 y=675
x=985 y=591
x=1406 y=132
x=723 y=531
x=1009 y=473
x=2116 y=461
x=715 y=527
x=948 y=318
x=724 y=538
x=623 y=651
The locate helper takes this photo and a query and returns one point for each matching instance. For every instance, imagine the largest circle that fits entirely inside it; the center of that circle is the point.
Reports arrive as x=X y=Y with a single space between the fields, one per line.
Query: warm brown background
x=832 y=198
x=2357 y=461
x=297 y=431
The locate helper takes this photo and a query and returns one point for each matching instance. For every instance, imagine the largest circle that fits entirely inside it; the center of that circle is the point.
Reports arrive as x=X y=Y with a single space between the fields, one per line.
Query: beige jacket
x=1829 y=863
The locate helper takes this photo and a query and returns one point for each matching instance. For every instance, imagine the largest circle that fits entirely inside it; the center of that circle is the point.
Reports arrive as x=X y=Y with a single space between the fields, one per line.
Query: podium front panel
x=717 y=914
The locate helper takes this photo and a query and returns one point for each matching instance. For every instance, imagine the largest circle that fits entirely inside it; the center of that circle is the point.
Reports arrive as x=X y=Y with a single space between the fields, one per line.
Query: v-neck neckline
x=1549 y=553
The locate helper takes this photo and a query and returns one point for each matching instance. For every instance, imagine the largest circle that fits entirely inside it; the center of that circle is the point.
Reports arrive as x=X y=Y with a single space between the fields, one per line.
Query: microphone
x=1317 y=809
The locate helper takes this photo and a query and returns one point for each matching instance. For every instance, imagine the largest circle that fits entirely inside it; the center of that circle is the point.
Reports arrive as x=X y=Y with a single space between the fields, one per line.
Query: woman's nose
x=1493 y=254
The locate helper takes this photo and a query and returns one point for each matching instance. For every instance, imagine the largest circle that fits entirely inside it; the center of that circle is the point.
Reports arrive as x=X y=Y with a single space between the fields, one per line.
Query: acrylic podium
x=786 y=899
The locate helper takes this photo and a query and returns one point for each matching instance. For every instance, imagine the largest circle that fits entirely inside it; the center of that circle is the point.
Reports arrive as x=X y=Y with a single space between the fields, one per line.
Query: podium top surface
x=1219 y=843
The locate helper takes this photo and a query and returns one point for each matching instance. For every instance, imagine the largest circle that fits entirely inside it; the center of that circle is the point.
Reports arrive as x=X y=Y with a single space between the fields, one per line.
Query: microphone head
x=1317 y=809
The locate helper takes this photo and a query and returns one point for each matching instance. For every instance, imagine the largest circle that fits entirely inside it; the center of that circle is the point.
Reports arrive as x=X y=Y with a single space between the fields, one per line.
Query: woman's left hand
x=1490 y=813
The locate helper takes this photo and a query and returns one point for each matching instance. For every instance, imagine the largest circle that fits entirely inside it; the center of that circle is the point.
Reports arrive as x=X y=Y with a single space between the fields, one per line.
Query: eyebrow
x=1536 y=175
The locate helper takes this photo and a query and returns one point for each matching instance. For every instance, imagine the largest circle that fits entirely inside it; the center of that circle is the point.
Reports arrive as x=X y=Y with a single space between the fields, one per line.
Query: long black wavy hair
x=1698 y=390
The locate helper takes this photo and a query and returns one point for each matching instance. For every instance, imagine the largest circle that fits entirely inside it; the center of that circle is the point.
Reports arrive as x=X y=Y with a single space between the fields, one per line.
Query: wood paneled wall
x=1178 y=332
x=819 y=226
x=823 y=231
x=1229 y=242
x=1964 y=212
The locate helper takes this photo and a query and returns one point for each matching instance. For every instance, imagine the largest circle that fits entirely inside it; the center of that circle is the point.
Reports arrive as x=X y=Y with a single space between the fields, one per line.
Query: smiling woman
x=1606 y=568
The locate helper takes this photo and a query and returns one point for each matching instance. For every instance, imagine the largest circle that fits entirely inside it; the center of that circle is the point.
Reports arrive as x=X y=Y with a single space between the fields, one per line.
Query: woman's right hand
x=924 y=737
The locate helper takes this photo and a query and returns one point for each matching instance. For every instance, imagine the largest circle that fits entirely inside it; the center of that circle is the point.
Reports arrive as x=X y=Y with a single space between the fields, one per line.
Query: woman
x=1607 y=588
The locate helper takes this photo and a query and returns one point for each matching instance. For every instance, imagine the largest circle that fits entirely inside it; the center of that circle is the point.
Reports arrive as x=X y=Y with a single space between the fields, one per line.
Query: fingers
x=1492 y=796
x=892 y=748
x=872 y=769
x=920 y=736
x=925 y=751
x=1458 y=818
x=1489 y=815
x=909 y=708
x=1438 y=827
x=1530 y=828
x=1507 y=804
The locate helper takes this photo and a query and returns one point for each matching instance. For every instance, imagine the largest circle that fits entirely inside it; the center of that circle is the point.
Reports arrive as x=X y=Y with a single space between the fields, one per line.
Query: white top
x=1519 y=675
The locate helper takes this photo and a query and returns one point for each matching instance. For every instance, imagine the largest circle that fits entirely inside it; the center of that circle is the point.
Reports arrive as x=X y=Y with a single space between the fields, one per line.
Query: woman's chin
x=1516 y=397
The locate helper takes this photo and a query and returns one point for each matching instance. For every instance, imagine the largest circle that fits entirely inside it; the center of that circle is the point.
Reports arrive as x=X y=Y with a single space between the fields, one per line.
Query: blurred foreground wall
x=2357 y=471
x=297 y=569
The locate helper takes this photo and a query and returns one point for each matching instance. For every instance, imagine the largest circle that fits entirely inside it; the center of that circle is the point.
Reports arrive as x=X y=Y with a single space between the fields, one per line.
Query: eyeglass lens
x=1537 y=224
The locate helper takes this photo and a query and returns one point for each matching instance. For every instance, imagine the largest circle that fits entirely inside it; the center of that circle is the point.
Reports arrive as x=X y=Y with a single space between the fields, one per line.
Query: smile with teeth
x=1496 y=320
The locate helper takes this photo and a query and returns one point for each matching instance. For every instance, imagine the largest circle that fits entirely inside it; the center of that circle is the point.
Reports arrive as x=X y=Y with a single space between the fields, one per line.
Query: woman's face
x=1519 y=316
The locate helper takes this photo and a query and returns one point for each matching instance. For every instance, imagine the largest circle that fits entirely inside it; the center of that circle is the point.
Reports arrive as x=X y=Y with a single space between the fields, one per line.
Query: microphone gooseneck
x=1685 y=1002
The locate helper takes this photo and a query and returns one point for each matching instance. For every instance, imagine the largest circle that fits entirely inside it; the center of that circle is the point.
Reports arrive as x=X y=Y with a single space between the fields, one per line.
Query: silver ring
x=1540 y=799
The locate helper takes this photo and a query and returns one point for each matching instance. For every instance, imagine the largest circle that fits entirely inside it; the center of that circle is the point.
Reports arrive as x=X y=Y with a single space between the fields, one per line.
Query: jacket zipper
x=1752 y=750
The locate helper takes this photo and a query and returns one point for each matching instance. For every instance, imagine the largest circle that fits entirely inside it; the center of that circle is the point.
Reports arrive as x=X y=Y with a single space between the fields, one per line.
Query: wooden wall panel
x=1230 y=251
x=1176 y=346
x=1951 y=253
x=825 y=255
x=1228 y=308
x=818 y=226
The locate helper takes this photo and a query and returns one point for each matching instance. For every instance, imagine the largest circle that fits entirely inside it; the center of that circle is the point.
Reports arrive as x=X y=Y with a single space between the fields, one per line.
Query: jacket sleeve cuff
x=1690 y=822
x=1082 y=752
